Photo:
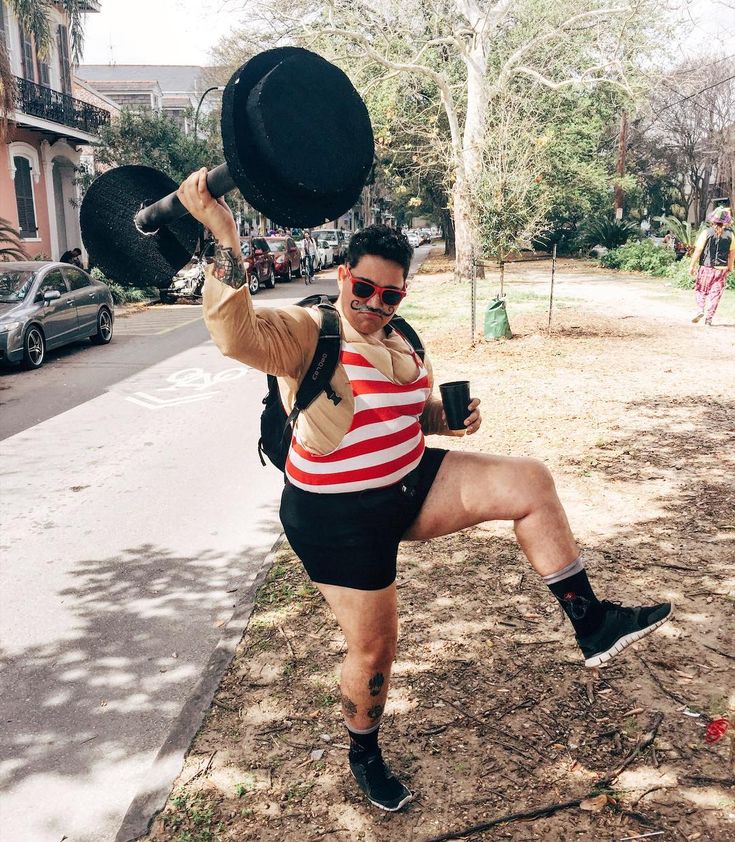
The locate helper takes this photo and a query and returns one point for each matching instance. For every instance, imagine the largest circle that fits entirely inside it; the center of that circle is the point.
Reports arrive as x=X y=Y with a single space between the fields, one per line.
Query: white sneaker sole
x=624 y=642
x=395 y=809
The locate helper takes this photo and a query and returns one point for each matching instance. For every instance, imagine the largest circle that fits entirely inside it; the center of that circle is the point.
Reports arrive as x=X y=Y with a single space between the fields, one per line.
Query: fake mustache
x=363 y=308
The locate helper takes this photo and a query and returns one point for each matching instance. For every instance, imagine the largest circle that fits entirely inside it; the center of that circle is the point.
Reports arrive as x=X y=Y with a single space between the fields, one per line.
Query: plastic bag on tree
x=497 y=325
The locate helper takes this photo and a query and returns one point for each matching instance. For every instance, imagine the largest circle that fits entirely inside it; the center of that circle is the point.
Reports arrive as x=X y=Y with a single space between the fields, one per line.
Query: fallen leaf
x=594 y=805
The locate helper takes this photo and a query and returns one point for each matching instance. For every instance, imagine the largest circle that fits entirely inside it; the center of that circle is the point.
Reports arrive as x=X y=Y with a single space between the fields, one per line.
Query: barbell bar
x=298 y=145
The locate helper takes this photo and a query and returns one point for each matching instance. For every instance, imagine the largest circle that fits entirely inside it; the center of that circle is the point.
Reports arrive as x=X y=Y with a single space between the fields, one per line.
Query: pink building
x=49 y=134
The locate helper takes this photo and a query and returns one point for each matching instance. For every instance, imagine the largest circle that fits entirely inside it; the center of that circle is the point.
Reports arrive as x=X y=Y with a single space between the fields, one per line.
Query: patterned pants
x=708 y=289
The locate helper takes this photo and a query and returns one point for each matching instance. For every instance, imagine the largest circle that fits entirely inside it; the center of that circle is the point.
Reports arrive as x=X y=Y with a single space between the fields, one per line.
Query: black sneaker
x=377 y=781
x=621 y=627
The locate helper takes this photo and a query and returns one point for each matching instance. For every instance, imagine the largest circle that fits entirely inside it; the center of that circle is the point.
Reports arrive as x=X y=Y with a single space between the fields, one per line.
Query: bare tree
x=690 y=121
x=468 y=51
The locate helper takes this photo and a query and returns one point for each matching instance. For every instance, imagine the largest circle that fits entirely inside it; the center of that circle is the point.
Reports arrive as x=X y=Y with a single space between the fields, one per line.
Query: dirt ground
x=491 y=712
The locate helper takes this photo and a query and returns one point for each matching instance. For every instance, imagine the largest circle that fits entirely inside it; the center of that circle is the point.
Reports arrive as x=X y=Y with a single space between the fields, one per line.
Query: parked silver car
x=46 y=305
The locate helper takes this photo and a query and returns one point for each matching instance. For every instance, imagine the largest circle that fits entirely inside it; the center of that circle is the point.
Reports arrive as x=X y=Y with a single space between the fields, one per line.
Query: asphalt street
x=135 y=519
x=135 y=525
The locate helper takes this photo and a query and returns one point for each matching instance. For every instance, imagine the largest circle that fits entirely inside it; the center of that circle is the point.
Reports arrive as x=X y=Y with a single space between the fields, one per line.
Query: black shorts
x=352 y=539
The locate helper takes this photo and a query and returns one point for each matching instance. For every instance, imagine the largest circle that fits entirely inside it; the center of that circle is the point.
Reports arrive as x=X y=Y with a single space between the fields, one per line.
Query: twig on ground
x=643 y=835
x=288 y=642
x=430 y=732
x=640 y=798
x=327 y=832
x=670 y=693
x=706 y=779
x=719 y=652
x=224 y=706
x=643 y=743
x=548 y=810
x=461 y=710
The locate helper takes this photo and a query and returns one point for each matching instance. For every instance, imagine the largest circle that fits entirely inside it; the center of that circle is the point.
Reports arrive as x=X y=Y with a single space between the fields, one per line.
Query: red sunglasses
x=363 y=288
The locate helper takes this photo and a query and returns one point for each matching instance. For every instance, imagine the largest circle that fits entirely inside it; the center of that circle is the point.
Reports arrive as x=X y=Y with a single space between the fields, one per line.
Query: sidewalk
x=490 y=711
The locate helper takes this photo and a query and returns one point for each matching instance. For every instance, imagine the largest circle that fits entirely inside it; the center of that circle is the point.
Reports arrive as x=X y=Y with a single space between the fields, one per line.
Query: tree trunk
x=469 y=167
x=463 y=230
x=706 y=193
x=450 y=248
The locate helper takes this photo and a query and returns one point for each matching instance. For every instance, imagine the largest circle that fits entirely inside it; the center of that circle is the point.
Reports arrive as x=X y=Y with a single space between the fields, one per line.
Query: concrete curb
x=156 y=785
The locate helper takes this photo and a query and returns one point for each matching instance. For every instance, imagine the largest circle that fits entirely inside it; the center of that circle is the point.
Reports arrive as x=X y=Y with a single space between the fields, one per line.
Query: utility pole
x=622 y=147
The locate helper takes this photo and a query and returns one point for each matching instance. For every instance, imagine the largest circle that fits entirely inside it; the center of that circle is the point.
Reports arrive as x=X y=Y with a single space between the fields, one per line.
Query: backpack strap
x=323 y=363
x=409 y=334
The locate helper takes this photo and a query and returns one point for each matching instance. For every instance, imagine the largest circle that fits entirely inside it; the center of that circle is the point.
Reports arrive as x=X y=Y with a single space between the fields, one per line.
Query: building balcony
x=47 y=104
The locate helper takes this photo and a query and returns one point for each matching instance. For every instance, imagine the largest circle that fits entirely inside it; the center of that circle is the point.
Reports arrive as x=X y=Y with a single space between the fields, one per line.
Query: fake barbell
x=298 y=144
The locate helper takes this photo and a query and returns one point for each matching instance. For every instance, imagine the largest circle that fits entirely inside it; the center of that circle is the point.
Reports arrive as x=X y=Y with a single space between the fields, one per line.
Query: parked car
x=44 y=305
x=286 y=257
x=259 y=263
x=188 y=282
x=336 y=239
x=324 y=254
x=413 y=239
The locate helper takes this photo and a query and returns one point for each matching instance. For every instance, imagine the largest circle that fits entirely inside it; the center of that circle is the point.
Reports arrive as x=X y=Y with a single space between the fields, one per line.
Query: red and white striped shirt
x=384 y=442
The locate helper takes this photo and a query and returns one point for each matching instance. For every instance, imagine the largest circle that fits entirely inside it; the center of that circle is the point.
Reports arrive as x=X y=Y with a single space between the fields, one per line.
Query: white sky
x=158 y=31
x=184 y=31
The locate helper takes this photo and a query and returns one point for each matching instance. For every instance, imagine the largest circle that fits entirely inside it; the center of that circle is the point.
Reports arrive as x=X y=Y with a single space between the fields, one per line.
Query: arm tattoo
x=375 y=712
x=349 y=708
x=375 y=685
x=228 y=267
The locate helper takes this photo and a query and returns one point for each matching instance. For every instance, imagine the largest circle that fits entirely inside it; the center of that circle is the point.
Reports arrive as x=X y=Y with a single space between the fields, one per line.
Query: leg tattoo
x=349 y=708
x=376 y=683
x=375 y=712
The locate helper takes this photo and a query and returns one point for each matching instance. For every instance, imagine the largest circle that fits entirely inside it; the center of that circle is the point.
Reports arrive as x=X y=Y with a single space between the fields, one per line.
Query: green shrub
x=610 y=233
x=641 y=256
x=122 y=294
x=680 y=277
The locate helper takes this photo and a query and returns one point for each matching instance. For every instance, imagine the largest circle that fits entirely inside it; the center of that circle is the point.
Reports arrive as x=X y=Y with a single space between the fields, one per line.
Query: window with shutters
x=62 y=41
x=24 y=198
x=27 y=56
x=44 y=71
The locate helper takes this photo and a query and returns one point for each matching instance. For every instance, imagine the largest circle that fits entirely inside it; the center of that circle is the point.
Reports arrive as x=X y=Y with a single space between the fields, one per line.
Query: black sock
x=364 y=743
x=576 y=597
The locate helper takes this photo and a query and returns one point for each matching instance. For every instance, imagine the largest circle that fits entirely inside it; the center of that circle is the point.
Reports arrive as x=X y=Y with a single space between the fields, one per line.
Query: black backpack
x=276 y=428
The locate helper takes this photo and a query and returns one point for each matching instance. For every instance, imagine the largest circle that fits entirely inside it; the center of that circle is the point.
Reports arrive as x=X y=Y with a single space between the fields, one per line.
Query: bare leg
x=471 y=488
x=369 y=622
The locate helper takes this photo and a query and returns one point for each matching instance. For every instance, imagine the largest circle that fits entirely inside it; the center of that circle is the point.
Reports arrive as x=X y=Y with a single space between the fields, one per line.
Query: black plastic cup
x=456 y=399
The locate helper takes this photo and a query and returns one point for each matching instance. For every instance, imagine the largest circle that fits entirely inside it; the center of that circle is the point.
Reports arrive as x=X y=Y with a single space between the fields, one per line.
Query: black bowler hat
x=297 y=137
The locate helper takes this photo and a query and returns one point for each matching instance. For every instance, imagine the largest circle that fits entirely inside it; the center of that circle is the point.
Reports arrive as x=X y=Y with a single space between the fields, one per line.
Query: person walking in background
x=309 y=257
x=712 y=261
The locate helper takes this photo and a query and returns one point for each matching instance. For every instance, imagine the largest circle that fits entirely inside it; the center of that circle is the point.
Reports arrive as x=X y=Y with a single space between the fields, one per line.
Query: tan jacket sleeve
x=277 y=341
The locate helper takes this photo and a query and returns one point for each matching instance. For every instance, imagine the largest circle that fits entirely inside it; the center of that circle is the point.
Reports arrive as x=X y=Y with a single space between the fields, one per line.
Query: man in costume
x=359 y=478
x=712 y=261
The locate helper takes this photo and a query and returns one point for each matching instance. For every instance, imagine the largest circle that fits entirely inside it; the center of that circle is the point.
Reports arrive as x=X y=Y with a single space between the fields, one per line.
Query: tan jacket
x=282 y=342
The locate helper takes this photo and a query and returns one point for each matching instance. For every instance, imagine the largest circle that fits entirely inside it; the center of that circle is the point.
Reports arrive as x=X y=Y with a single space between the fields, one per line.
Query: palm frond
x=7 y=92
x=73 y=9
x=11 y=246
x=683 y=231
x=610 y=233
x=33 y=16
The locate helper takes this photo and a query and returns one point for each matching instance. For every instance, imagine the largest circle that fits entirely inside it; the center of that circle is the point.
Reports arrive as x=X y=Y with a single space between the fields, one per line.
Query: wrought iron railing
x=48 y=104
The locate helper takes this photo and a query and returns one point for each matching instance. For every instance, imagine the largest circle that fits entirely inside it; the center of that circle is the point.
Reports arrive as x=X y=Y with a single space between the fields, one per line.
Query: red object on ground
x=716 y=730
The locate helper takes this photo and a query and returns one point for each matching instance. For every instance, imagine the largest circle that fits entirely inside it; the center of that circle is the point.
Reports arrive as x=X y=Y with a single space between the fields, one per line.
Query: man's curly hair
x=383 y=241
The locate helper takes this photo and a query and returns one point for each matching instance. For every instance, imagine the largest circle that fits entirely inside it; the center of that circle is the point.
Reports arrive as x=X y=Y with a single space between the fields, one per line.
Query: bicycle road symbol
x=190 y=385
x=198 y=379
